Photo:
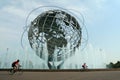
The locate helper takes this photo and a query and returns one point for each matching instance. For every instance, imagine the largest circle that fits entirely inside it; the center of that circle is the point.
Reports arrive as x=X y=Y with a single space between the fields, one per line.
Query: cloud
x=11 y=10
x=8 y=34
x=20 y=8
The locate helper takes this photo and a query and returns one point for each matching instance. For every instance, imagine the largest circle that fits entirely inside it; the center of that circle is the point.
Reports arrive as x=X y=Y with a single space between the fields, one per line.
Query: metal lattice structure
x=56 y=29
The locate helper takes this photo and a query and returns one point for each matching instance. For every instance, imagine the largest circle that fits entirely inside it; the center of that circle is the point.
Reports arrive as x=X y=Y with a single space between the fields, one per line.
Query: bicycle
x=19 y=70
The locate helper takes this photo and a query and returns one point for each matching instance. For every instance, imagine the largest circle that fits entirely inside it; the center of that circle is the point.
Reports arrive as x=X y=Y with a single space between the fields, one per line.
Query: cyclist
x=84 y=66
x=16 y=65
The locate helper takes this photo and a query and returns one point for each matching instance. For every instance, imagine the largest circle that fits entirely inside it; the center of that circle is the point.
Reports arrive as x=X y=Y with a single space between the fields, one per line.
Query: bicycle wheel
x=11 y=72
x=20 y=71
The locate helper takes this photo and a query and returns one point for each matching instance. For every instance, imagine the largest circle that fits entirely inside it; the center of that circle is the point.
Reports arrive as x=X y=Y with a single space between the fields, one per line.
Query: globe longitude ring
x=55 y=33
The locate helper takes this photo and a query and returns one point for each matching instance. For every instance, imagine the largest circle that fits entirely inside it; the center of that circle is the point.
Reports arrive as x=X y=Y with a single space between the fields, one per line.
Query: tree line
x=113 y=65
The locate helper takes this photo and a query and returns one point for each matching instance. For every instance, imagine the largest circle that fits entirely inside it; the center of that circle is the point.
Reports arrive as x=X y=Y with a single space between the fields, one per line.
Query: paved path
x=92 y=75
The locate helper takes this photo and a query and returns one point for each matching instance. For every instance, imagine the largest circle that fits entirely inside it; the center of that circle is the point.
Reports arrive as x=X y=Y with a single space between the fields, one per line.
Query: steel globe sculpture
x=57 y=30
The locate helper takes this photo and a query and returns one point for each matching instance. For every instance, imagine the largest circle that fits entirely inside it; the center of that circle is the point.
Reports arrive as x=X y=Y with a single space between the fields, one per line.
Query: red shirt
x=16 y=62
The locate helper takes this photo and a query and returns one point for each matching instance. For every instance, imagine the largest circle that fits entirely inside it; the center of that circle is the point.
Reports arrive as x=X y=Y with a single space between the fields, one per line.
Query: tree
x=113 y=65
x=110 y=65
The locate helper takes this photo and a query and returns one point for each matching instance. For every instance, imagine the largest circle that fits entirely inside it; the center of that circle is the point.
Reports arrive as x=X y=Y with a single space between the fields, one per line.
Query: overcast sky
x=101 y=20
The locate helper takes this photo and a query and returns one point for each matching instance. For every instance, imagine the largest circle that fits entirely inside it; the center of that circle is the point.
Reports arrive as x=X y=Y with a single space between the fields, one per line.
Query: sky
x=101 y=18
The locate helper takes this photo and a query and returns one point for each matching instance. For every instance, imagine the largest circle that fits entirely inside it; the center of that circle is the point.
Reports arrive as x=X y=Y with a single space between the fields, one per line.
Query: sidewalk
x=85 y=75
